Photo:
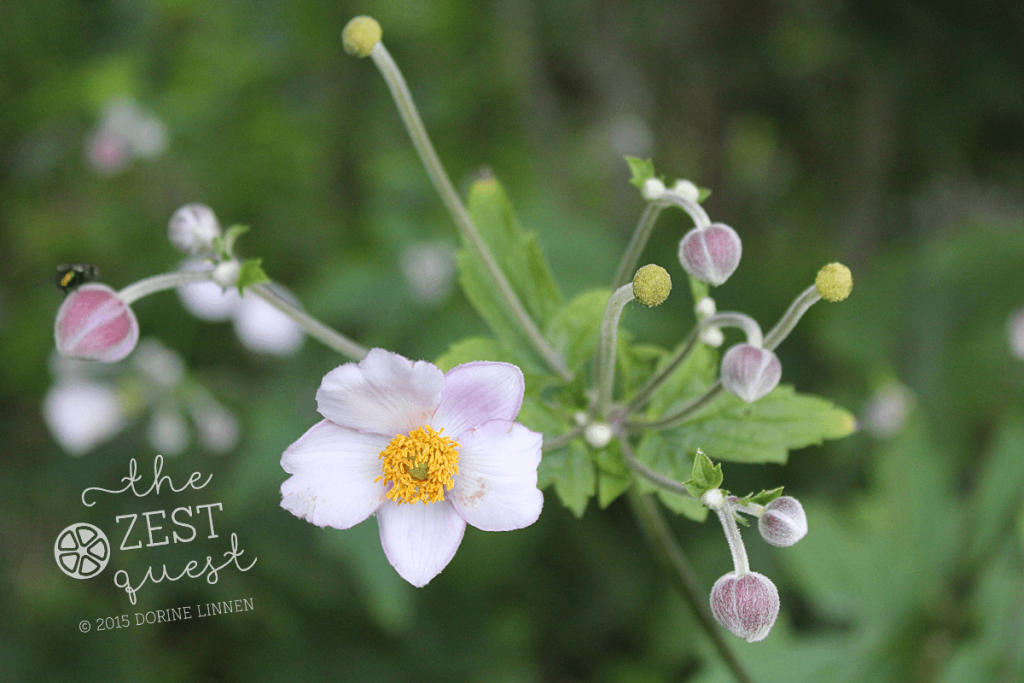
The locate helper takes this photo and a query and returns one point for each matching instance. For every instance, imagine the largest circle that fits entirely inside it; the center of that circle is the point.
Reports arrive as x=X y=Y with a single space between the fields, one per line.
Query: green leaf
x=684 y=505
x=704 y=475
x=996 y=499
x=571 y=470
x=250 y=274
x=573 y=331
x=689 y=380
x=519 y=257
x=642 y=170
x=702 y=194
x=613 y=478
x=472 y=349
x=765 y=431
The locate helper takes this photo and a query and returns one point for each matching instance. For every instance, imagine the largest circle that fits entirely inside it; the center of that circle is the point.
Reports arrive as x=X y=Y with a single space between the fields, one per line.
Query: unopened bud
x=653 y=189
x=783 y=522
x=94 y=323
x=686 y=190
x=193 y=228
x=361 y=35
x=598 y=434
x=226 y=274
x=747 y=605
x=750 y=372
x=834 y=282
x=712 y=336
x=705 y=307
x=651 y=285
x=711 y=254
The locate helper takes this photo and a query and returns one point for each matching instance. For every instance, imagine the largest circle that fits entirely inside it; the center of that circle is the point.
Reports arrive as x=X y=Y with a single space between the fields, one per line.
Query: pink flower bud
x=93 y=323
x=711 y=254
x=783 y=522
x=750 y=372
x=747 y=605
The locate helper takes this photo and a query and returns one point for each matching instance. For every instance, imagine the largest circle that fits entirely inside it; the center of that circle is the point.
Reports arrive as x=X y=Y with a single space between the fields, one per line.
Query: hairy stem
x=311 y=325
x=674 y=560
x=421 y=141
x=607 y=347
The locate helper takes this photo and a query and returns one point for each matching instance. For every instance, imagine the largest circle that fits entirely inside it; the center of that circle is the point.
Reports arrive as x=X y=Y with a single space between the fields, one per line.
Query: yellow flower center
x=420 y=467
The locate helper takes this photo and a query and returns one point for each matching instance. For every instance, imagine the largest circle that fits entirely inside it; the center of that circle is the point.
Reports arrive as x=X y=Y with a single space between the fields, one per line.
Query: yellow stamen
x=421 y=466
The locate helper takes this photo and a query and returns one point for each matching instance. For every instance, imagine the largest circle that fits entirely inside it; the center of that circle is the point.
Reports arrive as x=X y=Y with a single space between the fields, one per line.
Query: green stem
x=791 y=317
x=627 y=266
x=674 y=560
x=644 y=394
x=552 y=443
x=683 y=414
x=421 y=141
x=158 y=283
x=653 y=476
x=311 y=325
x=607 y=346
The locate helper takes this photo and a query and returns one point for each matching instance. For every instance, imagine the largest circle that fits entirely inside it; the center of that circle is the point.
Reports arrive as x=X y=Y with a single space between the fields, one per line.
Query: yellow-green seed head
x=360 y=35
x=651 y=285
x=834 y=282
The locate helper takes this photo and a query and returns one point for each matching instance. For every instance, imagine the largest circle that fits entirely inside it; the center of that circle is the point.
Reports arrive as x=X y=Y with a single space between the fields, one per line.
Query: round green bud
x=834 y=282
x=651 y=285
x=360 y=36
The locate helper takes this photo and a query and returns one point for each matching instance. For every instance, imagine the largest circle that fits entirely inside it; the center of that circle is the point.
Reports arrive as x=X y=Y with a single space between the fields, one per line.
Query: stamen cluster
x=419 y=467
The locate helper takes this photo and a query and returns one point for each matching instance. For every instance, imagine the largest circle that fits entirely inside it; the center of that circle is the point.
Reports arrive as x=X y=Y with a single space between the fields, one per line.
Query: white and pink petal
x=496 y=487
x=382 y=394
x=419 y=539
x=475 y=393
x=333 y=471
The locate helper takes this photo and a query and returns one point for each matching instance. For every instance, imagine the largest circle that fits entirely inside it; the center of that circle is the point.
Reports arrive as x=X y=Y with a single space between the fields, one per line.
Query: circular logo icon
x=81 y=551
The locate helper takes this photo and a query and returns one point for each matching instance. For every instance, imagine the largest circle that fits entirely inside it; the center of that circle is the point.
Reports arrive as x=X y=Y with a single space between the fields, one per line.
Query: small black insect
x=73 y=275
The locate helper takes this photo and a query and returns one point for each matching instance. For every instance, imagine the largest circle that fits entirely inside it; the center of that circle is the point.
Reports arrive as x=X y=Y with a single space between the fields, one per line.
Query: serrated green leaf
x=573 y=330
x=642 y=170
x=571 y=470
x=518 y=255
x=765 y=431
x=704 y=475
x=251 y=273
x=656 y=453
x=684 y=505
x=613 y=478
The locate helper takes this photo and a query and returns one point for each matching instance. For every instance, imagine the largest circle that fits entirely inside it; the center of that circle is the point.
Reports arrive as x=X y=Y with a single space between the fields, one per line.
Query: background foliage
x=887 y=136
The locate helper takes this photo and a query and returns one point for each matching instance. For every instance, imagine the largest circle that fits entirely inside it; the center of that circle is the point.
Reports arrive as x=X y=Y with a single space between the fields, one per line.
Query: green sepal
x=704 y=477
x=225 y=246
x=762 y=498
x=740 y=519
x=702 y=194
x=641 y=169
x=250 y=274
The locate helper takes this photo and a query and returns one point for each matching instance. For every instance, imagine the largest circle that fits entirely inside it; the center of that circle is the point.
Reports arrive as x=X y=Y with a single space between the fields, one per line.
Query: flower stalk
x=435 y=170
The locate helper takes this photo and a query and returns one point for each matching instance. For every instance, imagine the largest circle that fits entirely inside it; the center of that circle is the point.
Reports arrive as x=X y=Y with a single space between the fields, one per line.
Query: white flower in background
x=90 y=403
x=125 y=132
x=259 y=326
x=193 y=228
x=427 y=451
x=82 y=414
x=1015 y=332
x=887 y=410
x=429 y=268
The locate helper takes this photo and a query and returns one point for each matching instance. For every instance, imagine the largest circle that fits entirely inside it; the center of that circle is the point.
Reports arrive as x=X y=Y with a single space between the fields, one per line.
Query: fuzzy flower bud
x=598 y=434
x=747 y=605
x=834 y=282
x=226 y=274
x=711 y=254
x=687 y=190
x=651 y=285
x=94 y=323
x=193 y=228
x=360 y=35
x=783 y=522
x=653 y=189
x=750 y=372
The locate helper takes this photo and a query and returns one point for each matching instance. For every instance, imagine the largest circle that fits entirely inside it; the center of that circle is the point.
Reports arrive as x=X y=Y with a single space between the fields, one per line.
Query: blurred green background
x=889 y=136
